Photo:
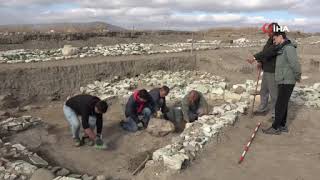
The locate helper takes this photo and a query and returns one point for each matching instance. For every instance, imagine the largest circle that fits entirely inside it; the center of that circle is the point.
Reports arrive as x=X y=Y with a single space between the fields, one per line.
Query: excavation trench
x=52 y=141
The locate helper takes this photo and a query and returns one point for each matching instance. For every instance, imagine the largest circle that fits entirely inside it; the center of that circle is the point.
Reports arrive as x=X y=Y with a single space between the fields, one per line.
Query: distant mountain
x=62 y=27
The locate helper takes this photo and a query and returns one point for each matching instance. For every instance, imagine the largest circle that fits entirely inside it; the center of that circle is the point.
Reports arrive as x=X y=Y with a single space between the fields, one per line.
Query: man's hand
x=90 y=133
x=251 y=60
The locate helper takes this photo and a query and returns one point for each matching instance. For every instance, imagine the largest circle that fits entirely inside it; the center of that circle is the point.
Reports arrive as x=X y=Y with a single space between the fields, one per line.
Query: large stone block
x=175 y=162
x=160 y=127
x=68 y=50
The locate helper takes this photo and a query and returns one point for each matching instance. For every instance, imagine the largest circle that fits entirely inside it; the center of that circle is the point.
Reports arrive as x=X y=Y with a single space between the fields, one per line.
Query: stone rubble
x=194 y=137
x=11 y=125
x=70 y=52
x=180 y=84
x=307 y=95
x=18 y=163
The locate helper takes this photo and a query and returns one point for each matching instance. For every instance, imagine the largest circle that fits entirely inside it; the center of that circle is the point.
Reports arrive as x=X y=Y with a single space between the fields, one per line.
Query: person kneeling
x=140 y=103
x=159 y=98
x=194 y=105
x=90 y=109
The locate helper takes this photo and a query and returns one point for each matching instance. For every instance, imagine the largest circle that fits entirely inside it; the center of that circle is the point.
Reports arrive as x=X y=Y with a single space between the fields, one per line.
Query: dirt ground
x=290 y=156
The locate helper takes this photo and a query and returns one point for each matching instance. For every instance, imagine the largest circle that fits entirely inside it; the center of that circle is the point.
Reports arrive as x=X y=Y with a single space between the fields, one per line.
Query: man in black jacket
x=159 y=98
x=140 y=103
x=266 y=59
x=90 y=109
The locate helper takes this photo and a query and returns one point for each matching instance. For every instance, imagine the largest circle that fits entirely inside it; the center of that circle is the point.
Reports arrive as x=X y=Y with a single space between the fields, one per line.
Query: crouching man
x=90 y=109
x=194 y=105
x=140 y=103
x=159 y=98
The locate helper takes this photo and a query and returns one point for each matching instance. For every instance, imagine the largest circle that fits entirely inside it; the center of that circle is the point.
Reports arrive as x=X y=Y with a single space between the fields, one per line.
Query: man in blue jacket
x=140 y=103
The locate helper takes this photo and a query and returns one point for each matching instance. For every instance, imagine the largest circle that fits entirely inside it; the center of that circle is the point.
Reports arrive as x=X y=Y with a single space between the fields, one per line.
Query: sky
x=303 y=15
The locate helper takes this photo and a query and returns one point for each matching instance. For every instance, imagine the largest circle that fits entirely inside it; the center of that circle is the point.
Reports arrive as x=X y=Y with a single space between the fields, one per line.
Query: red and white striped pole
x=246 y=148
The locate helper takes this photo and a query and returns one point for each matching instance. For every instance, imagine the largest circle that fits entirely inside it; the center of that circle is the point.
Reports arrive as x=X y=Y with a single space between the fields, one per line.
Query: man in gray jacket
x=194 y=105
x=287 y=73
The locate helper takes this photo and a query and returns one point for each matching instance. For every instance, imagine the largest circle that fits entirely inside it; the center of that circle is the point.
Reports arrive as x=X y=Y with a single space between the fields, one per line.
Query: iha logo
x=269 y=28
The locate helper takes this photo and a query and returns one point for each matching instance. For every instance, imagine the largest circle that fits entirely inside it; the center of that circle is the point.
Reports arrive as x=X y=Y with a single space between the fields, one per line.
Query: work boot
x=76 y=142
x=122 y=124
x=260 y=113
x=284 y=129
x=272 y=131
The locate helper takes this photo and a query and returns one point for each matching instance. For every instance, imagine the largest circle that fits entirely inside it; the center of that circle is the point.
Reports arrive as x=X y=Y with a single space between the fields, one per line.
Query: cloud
x=155 y=14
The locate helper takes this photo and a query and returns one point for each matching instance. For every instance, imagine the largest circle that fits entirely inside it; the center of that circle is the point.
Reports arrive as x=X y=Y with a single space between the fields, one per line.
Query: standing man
x=266 y=59
x=288 y=72
x=90 y=109
x=194 y=105
x=140 y=103
x=159 y=98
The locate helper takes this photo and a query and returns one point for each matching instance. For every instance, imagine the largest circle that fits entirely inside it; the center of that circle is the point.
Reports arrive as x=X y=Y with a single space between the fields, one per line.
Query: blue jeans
x=131 y=125
x=74 y=121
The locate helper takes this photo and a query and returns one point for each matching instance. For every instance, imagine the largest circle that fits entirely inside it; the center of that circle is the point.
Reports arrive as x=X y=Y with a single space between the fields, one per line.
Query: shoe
x=272 y=131
x=259 y=113
x=255 y=93
x=77 y=142
x=101 y=147
x=121 y=124
x=284 y=129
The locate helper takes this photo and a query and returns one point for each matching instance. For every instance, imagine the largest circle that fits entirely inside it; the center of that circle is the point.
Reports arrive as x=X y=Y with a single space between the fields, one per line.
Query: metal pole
x=192 y=45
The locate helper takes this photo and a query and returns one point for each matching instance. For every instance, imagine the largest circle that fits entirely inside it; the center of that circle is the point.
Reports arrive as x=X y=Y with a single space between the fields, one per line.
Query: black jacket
x=268 y=56
x=132 y=108
x=159 y=102
x=84 y=105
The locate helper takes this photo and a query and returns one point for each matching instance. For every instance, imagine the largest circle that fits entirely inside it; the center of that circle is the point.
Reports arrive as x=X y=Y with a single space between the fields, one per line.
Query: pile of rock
x=18 y=163
x=14 y=165
x=241 y=41
x=180 y=84
x=27 y=56
x=70 y=52
x=195 y=136
x=13 y=125
x=307 y=95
